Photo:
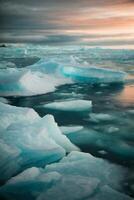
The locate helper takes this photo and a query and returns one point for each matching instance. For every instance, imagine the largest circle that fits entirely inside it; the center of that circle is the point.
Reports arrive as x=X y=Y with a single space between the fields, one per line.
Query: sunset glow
x=93 y=23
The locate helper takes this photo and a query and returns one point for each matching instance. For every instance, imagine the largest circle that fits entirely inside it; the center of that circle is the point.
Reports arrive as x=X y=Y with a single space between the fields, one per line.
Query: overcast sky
x=91 y=22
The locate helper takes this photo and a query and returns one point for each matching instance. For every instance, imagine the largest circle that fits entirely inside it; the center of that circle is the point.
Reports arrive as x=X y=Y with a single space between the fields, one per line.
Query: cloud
x=53 y=21
x=37 y=37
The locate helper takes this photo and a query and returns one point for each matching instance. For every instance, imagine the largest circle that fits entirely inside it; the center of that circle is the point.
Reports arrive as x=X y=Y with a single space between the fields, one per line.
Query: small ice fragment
x=97 y=117
x=70 y=129
x=112 y=129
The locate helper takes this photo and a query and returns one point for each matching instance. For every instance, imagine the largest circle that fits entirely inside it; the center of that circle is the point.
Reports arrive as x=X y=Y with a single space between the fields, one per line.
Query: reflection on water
x=126 y=96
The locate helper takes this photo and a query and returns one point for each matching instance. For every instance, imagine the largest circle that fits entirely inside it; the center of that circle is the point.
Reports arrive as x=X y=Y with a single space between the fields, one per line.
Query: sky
x=87 y=22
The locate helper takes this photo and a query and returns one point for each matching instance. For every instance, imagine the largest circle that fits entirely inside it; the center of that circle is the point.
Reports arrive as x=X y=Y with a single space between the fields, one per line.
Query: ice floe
x=77 y=176
x=28 y=140
x=70 y=105
x=100 y=117
x=93 y=74
x=16 y=82
x=4 y=100
x=12 y=114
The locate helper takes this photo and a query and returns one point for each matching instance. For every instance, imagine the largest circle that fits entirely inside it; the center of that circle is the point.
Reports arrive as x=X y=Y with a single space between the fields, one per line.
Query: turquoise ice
x=28 y=140
x=77 y=176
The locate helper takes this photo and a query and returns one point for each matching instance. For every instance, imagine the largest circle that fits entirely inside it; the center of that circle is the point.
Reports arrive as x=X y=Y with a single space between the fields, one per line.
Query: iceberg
x=70 y=105
x=76 y=176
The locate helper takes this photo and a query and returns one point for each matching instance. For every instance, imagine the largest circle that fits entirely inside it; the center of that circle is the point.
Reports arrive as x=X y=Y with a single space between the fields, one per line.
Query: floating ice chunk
x=23 y=82
x=38 y=83
x=37 y=141
x=34 y=141
x=48 y=126
x=47 y=67
x=32 y=182
x=77 y=176
x=4 y=100
x=93 y=74
x=102 y=152
x=79 y=73
x=84 y=164
x=71 y=105
x=55 y=133
x=98 y=117
x=108 y=193
x=11 y=114
x=112 y=129
x=70 y=129
x=35 y=183
x=72 y=188
x=33 y=149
